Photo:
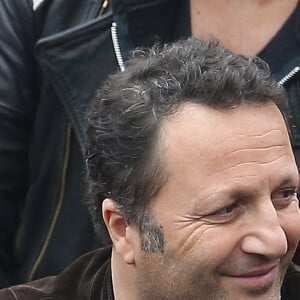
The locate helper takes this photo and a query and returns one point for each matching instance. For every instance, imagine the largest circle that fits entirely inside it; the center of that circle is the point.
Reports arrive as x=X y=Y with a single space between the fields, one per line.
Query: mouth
x=259 y=279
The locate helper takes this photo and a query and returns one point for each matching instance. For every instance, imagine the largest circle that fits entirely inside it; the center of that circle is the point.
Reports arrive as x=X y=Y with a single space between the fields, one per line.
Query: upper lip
x=255 y=272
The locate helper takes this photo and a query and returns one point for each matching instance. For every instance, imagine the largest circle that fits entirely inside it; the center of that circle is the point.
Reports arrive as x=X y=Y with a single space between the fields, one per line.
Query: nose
x=264 y=235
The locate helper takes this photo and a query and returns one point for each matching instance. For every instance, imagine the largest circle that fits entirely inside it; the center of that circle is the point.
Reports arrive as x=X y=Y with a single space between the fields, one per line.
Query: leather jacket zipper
x=103 y=8
x=36 y=4
x=289 y=76
x=116 y=44
x=59 y=204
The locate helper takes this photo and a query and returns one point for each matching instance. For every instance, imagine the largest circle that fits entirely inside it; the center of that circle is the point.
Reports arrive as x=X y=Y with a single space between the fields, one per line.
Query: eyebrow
x=288 y=179
x=291 y=178
x=284 y=181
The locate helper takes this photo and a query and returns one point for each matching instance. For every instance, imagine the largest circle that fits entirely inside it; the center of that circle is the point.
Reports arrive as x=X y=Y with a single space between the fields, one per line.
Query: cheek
x=210 y=245
x=290 y=223
x=222 y=244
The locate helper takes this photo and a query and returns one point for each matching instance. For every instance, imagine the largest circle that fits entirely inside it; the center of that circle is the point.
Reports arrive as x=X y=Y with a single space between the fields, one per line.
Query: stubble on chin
x=163 y=279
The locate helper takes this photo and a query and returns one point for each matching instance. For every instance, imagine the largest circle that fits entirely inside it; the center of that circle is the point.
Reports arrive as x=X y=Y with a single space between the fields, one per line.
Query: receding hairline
x=159 y=143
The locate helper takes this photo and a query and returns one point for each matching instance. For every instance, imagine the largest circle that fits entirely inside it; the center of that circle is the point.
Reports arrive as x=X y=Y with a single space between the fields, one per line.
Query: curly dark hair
x=123 y=145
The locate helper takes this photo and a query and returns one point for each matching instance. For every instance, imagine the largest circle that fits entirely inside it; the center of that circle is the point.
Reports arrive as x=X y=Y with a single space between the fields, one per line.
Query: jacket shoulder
x=291 y=285
x=35 y=290
x=8 y=294
x=74 y=283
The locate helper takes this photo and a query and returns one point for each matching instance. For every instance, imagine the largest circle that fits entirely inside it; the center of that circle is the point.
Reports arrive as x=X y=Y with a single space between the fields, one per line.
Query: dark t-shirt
x=284 y=44
x=277 y=53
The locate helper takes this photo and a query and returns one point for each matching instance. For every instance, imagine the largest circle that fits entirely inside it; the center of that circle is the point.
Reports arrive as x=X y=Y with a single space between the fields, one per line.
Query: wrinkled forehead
x=247 y=119
x=211 y=138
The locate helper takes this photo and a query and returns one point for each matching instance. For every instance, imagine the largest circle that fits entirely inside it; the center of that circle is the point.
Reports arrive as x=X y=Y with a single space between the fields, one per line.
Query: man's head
x=190 y=151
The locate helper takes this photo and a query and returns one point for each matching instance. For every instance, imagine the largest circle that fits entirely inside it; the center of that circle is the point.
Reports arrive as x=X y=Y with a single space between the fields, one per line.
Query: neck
x=122 y=278
x=245 y=27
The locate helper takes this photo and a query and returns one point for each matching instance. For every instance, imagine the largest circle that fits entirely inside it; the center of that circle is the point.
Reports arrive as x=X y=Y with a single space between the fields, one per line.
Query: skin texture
x=228 y=211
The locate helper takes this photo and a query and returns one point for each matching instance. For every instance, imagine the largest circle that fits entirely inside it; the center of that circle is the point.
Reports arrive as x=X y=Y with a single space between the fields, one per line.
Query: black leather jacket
x=52 y=59
x=53 y=56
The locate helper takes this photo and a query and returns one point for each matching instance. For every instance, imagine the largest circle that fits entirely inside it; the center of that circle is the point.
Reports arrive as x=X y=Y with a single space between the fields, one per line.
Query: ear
x=118 y=230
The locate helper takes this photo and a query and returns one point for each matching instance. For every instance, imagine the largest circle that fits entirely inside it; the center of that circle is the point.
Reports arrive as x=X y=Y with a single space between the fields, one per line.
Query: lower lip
x=257 y=281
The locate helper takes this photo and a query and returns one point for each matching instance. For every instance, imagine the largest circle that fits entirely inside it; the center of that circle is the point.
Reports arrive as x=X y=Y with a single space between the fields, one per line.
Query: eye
x=225 y=214
x=282 y=198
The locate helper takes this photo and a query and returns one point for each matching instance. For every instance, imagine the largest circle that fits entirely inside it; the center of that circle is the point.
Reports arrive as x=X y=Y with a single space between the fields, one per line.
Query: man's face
x=228 y=210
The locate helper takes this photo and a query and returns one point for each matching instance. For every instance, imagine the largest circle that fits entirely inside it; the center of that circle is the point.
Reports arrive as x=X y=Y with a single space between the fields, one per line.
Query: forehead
x=202 y=141
x=254 y=123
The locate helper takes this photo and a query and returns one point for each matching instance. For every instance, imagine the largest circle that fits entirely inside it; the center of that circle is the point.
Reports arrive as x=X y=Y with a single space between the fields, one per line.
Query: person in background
x=192 y=178
x=53 y=56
